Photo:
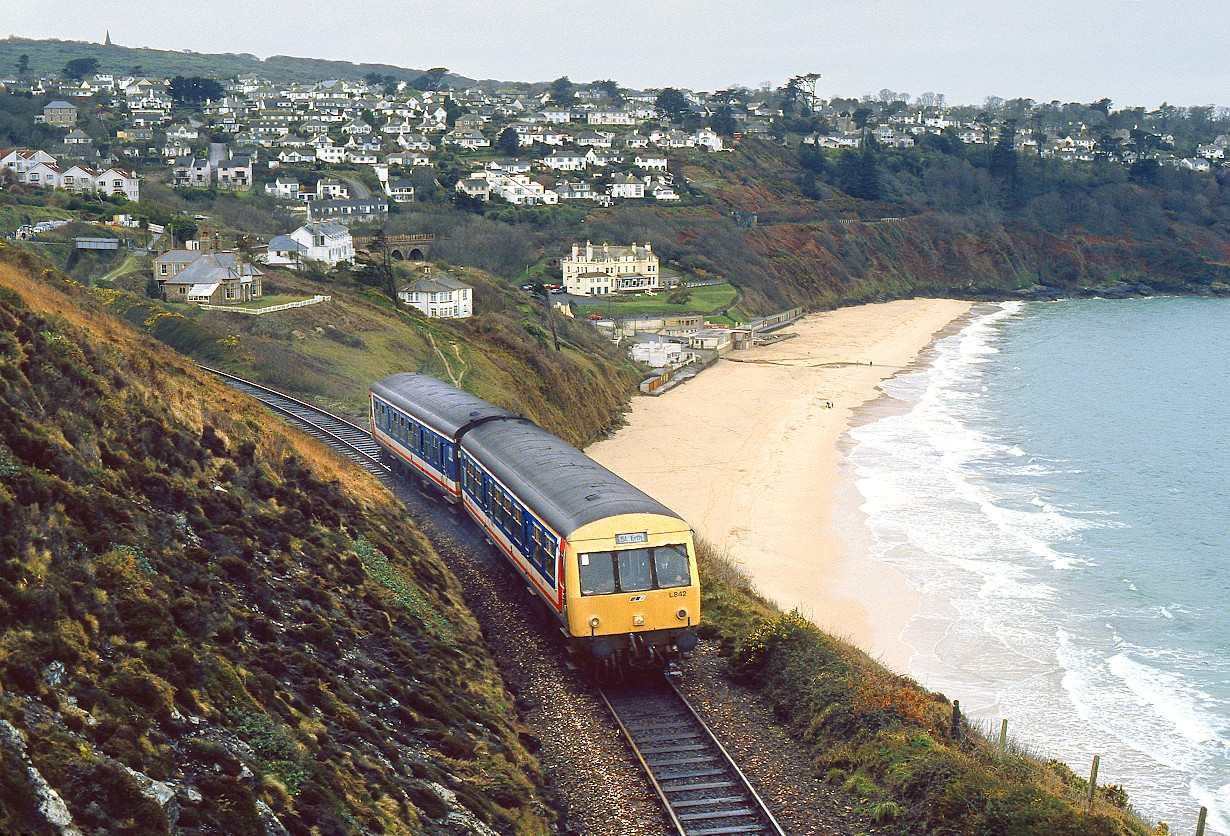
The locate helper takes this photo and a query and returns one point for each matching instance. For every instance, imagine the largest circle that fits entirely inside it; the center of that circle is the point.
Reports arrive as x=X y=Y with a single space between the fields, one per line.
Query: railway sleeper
x=738 y=813
x=695 y=773
x=694 y=759
x=701 y=802
x=668 y=750
x=714 y=785
x=724 y=831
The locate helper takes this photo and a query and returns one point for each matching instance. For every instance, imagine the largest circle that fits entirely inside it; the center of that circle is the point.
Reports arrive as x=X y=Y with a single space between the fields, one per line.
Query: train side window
x=671 y=564
x=635 y=573
x=597 y=573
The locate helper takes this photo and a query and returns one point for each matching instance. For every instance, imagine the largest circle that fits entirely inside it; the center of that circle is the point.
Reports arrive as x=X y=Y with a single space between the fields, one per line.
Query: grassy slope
x=192 y=595
x=330 y=353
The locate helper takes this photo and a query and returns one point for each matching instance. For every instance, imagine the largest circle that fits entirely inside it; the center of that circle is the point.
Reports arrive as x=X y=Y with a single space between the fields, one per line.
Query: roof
x=445 y=408
x=211 y=268
x=558 y=482
x=284 y=244
x=435 y=283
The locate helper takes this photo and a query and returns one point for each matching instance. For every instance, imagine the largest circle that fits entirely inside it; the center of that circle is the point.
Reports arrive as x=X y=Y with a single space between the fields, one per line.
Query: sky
x=1136 y=52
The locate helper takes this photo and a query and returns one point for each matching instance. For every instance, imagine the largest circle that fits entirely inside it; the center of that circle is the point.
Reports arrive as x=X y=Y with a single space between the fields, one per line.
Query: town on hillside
x=335 y=158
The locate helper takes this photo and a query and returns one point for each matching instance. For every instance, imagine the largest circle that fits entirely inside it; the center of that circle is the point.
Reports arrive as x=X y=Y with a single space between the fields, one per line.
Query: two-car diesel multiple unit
x=613 y=566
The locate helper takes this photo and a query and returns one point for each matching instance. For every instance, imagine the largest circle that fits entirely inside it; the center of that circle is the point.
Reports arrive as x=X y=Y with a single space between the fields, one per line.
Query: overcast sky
x=1137 y=52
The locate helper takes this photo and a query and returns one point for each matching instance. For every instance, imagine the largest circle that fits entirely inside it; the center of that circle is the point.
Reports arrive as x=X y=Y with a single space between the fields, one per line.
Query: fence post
x=1093 y=780
x=956 y=719
x=1003 y=736
x=1204 y=815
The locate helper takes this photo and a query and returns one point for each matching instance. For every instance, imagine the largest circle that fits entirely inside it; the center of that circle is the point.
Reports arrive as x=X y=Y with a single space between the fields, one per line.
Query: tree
x=723 y=121
x=562 y=91
x=375 y=267
x=195 y=90
x=79 y=68
x=430 y=80
x=609 y=88
x=23 y=64
x=508 y=142
x=672 y=103
x=181 y=229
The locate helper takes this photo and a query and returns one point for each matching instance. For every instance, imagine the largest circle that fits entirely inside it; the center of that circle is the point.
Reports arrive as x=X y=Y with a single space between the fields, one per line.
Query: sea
x=1055 y=483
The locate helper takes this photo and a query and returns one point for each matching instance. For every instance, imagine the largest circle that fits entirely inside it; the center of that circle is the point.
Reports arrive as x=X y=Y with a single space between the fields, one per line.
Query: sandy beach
x=747 y=452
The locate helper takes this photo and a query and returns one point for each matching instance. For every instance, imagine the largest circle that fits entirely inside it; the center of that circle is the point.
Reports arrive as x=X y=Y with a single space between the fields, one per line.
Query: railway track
x=704 y=791
x=352 y=441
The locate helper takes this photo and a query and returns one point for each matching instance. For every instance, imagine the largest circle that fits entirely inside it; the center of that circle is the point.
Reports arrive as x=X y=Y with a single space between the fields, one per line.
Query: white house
x=118 y=181
x=565 y=161
x=326 y=242
x=439 y=295
x=626 y=186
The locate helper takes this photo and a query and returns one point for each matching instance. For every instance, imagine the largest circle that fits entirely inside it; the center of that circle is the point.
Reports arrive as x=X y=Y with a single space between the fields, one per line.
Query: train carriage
x=614 y=566
x=418 y=419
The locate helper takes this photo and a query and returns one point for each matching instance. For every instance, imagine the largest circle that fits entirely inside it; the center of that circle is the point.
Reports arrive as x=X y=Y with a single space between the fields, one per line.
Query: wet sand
x=748 y=453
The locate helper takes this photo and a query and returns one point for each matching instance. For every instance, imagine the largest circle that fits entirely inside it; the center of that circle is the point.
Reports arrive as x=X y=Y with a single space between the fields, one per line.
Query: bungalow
x=415 y=142
x=650 y=162
x=439 y=295
x=594 y=139
x=294 y=156
x=634 y=140
x=77 y=137
x=364 y=209
x=510 y=165
x=574 y=191
x=408 y=158
x=466 y=139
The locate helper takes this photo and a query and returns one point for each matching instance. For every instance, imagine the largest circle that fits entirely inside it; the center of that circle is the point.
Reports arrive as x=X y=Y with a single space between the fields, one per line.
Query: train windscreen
x=634 y=570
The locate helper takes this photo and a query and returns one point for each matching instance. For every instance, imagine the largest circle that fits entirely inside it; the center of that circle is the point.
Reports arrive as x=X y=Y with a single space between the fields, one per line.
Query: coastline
x=749 y=453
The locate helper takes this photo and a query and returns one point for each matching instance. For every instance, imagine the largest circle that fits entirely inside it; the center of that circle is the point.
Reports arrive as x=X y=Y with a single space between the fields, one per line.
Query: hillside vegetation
x=50 y=56
x=209 y=624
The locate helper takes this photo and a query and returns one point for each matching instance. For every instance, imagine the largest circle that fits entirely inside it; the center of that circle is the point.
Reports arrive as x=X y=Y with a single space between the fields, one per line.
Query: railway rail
x=703 y=790
x=351 y=440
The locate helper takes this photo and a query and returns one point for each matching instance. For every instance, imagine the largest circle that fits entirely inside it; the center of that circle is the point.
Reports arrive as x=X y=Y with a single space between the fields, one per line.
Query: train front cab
x=633 y=595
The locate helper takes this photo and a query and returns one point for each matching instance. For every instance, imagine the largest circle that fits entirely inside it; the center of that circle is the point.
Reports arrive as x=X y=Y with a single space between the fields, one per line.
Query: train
x=614 y=568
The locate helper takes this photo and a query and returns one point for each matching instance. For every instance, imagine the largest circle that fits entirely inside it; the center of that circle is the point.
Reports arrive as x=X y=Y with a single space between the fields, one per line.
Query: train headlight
x=594 y=621
x=638 y=621
x=682 y=615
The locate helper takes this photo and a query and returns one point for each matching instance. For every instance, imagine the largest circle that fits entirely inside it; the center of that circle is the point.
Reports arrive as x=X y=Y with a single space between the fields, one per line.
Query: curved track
x=704 y=791
x=352 y=441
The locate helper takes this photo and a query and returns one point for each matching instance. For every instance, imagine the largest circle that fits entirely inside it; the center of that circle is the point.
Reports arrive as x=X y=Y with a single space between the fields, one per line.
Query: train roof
x=557 y=481
x=443 y=407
